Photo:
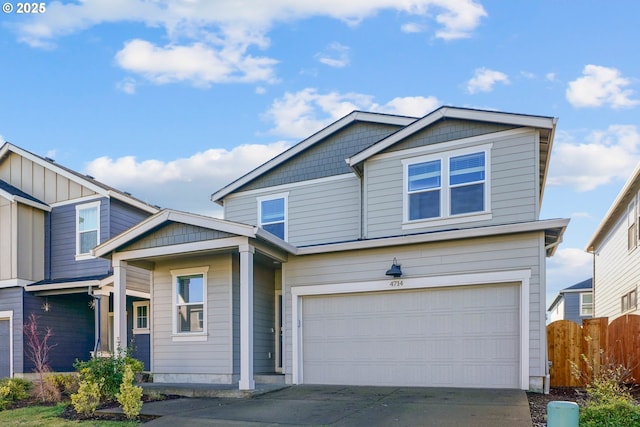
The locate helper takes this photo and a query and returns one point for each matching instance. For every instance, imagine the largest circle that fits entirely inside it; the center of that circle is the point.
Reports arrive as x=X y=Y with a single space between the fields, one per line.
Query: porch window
x=586 y=304
x=140 y=317
x=272 y=214
x=190 y=301
x=87 y=228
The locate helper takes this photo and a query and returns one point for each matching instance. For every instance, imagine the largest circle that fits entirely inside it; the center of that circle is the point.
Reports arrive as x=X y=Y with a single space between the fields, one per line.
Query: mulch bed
x=538 y=402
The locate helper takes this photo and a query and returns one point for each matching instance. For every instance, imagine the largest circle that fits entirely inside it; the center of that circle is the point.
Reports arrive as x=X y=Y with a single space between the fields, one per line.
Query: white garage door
x=465 y=336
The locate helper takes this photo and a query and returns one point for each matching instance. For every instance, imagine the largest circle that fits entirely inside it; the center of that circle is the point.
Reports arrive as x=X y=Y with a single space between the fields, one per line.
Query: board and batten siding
x=513 y=170
x=11 y=299
x=210 y=360
x=30 y=243
x=8 y=230
x=489 y=254
x=320 y=211
x=617 y=271
x=40 y=182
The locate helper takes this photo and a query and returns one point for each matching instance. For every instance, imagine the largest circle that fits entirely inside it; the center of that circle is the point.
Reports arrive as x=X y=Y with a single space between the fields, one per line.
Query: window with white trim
x=190 y=301
x=586 y=304
x=632 y=236
x=87 y=227
x=629 y=301
x=447 y=185
x=141 y=317
x=272 y=214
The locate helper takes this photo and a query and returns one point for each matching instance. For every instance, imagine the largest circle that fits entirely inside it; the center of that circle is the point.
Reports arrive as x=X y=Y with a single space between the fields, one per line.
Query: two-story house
x=50 y=219
x=382 y=250
x=574 y=303
x=616 y=255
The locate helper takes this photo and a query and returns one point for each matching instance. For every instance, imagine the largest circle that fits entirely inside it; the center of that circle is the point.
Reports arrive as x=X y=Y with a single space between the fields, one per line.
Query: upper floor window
x=190 y=297
x=87 y=227
x=629 y=301
x=272 y=214
x=632 y=220
x=447 y=185
x=586 y=304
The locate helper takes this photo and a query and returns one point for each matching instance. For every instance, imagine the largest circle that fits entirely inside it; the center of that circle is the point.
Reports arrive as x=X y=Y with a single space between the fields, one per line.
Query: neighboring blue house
x=50 y=219
x=573 y=303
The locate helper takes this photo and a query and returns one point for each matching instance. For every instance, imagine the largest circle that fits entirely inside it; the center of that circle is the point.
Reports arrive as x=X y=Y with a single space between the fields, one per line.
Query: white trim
x=15 y=198
x=216 y=244
x=79 y=200
x=14 y=283
x=427 y=282
x=8 y=315
x=135 y=305
x=64 y=285
x=309 y=142
x=86 y=206
x=297 y=184
x=189 y=336
x=581 y=296
x=445 y=217
x=269 y=197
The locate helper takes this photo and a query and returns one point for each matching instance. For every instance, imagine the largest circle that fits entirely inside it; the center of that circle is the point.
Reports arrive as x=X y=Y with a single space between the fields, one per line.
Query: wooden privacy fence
x=617 y=343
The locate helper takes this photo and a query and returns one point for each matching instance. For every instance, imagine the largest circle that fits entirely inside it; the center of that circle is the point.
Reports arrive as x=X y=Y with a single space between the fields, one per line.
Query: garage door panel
x=463 y=337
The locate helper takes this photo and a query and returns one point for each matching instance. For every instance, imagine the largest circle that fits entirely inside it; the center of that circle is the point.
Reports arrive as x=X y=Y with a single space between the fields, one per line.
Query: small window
x=272 y=215
x=632 y=236
x=425 y=181
x=586 y=304
x=466 y=179
x=629 y=301
x=190 y=303
x=141 y=317
x=87 y=227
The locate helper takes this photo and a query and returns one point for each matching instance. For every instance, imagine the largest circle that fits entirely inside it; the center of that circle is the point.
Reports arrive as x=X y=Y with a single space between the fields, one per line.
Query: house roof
x=170 y=215
x=617 y=208
x=410 y=125
x=578 y=287
x=355 y=116
x=14 y=194
x=66 y=284
x=84 y=180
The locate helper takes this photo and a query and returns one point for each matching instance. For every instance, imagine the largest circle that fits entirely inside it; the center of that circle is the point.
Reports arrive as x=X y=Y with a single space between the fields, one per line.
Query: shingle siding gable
x=326 y=158
x=176 y=233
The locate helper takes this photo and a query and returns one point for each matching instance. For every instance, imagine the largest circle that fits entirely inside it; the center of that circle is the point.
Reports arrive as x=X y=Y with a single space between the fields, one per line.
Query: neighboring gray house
x=382 y=250
x=50 y=219
x=573 y=303
x=617 y=255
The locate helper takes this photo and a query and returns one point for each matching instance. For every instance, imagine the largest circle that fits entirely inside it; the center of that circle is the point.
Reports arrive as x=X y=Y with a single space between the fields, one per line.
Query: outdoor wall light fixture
x=46 y=306
x=395 y=269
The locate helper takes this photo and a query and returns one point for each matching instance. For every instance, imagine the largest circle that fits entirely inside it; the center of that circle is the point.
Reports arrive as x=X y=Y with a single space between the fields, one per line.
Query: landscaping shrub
x=107 y=372
x=65 y=384
x=12 y=390
x=620 y=413
x=87 y=399
x=130 y=396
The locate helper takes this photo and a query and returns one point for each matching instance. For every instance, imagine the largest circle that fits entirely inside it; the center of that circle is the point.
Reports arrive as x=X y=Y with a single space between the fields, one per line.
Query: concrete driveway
x=308 y=405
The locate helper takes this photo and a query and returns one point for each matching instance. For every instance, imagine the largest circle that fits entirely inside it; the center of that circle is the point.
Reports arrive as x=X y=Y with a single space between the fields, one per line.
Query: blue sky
x=171 y=100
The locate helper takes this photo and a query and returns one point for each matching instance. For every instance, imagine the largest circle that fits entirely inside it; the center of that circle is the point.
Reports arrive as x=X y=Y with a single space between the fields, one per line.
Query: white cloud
x=214 y=42
x=566 y=268
x=127 y=85
x=603 y=157
x=550 y=77
x=413 y=27
x=600 y=86
x=485 y=79
x=184 y=183
x=300 y=114
x=335 y=55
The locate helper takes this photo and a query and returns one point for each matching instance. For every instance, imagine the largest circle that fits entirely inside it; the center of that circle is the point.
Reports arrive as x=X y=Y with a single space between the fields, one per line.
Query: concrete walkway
x=308 y=405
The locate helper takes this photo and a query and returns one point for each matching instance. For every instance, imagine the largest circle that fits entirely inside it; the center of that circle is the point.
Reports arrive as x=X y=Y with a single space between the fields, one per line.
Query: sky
x=172 y=100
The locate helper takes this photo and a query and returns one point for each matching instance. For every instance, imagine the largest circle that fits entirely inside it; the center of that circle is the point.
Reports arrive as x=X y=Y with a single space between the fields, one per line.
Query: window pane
x=423 y=176
x=88 y=219
x=467 y=168
x=88 y=241
x=190 y=289
x=424 y=205
x=272 y=211
x=141 y=317
x=275 y=229
x=190 y=318
x=469 y=198
x=587 y=298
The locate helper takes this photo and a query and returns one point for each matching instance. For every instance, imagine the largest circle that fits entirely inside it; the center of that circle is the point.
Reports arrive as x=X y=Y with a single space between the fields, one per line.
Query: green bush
x=13 y=390
x=108 y=372
x=620 y=413
x=87 y=399
x=130 y=396
x=66 y=384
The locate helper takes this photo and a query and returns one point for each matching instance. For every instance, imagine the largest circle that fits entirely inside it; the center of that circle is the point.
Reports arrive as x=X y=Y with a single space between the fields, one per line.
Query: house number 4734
x=396 y=283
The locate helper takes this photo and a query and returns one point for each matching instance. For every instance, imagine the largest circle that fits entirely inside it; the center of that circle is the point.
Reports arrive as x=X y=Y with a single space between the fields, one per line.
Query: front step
x=269 y=379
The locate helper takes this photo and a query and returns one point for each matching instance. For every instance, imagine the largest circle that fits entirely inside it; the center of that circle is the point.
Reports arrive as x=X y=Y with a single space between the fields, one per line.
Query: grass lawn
x=49 y=416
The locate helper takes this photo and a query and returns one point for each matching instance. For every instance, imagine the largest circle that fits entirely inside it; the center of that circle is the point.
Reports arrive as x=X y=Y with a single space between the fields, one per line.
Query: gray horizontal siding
x=513 y=188
x=499 y=253
x=321 y=212
x=11 y=299
x=263 y=320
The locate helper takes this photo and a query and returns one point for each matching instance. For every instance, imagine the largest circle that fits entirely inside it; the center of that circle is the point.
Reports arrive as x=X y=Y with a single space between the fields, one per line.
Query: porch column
x=246 y=318
x=119 y=305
